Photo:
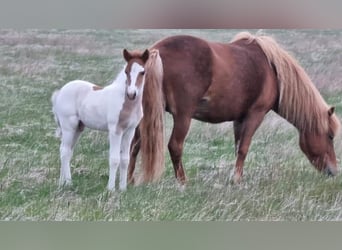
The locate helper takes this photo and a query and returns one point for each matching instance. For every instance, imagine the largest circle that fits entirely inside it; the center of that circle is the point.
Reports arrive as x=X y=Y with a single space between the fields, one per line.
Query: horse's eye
x=142 y=73
x=331 y=137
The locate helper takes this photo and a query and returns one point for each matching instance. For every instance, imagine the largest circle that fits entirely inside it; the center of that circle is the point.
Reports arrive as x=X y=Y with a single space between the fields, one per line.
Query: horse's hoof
x=235 y=179
x=111 y=187
x=64 y=183
x=181 y=186
x=131 y=181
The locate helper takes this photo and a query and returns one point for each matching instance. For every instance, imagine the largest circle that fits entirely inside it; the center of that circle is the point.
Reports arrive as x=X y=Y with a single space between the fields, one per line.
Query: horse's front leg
x=124 y=156
x=179 y=132
x=246 y=131
x=114 y=156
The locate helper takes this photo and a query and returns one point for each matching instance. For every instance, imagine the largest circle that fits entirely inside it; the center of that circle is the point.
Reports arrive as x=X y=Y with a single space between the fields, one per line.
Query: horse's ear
x=331 y=111
x=126 y=55
x=145 y=55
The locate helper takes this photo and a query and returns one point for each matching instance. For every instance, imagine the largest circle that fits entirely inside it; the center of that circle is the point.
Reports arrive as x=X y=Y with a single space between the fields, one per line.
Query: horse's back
x=192 y=54
x=213 y=81
x=69 y=97
x=243 y=81
x=76 y=86
x=187 y=63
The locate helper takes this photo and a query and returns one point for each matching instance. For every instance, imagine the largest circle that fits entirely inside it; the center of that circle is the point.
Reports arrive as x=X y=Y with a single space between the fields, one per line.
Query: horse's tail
x=54 y=96
x=299 y=99
x=152 y=123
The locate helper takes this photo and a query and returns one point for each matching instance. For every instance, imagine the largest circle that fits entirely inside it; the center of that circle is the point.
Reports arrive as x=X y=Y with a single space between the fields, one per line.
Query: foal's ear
x=126 y=55
x=331 y=111
x=145 y=55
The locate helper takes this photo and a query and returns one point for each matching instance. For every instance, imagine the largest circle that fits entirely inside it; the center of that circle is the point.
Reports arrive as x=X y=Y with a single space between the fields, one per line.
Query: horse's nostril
x=131 y=96
x=330 y=172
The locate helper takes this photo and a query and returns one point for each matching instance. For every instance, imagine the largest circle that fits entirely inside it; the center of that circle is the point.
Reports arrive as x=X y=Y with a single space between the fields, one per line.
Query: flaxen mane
x=153 y=105
x=299 y=102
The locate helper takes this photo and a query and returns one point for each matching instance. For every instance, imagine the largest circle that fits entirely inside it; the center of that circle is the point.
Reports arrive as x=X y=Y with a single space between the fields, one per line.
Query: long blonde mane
x=299 y=102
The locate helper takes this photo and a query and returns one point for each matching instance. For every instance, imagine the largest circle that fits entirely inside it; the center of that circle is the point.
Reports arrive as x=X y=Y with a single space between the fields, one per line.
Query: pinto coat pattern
x=117 y=108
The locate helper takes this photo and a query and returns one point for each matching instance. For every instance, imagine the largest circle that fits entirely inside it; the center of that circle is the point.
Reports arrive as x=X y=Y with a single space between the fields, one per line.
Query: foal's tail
x=152 y=123
x=54 y=96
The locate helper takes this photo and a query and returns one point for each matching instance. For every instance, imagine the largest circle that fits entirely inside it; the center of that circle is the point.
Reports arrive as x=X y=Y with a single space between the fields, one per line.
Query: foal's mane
x=299 y=100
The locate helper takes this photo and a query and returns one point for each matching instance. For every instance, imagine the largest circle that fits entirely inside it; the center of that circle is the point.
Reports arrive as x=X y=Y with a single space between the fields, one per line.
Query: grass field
x=279 y=182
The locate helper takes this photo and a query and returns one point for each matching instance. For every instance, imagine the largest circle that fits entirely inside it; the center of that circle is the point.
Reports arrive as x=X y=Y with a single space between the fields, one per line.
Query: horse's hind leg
x=237 y=135
x=247 y=129
x=135 y=148
x=179 y=132
x=69 y=138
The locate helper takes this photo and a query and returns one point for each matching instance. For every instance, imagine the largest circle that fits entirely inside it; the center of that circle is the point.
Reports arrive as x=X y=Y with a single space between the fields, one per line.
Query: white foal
x=116 y=108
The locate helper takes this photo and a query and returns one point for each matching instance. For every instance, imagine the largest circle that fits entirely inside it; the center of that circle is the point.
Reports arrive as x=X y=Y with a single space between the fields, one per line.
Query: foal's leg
x=114 y=156
x=69 y=138
x=179 y=132
x=248 y=127
x=135 y=148
x=124 y=157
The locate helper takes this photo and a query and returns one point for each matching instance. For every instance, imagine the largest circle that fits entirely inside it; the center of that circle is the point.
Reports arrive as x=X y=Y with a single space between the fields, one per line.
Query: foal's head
x=319 y=146
x=135 y=72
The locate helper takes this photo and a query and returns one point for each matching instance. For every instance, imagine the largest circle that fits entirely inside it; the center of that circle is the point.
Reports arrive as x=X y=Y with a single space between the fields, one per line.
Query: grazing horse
x=238 y=81
x=116 y=108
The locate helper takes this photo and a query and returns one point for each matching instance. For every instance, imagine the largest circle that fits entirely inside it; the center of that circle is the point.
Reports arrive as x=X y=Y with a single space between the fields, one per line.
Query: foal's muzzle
x=132 y=96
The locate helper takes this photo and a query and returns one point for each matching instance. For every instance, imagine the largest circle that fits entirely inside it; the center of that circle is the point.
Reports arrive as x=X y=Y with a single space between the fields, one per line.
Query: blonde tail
x=152 y=123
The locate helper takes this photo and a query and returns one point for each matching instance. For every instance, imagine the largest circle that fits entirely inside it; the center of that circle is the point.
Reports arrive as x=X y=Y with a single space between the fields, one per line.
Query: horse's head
x=135 y=72
x=319 y=146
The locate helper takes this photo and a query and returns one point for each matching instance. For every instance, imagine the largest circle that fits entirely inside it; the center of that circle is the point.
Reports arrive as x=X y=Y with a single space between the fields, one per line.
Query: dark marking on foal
x=80 y=126
x=95 y=87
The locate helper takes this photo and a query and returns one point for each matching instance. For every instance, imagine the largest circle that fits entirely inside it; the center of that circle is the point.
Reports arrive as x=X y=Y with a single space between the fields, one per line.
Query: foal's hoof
x=64 y=183
x=111 y=188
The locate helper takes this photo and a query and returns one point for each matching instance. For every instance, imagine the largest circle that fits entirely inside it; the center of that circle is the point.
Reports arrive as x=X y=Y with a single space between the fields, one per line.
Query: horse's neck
x=120 y=80
x=121 y=77
x=118 y=86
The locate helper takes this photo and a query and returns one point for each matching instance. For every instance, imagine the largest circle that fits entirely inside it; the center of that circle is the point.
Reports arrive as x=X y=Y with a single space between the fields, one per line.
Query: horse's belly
x=93 y=117
x=216 y=112
x=95 y=124
x=212 y=118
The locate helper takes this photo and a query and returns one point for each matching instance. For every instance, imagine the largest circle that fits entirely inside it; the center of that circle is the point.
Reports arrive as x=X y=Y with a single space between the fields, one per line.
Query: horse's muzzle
x=132 y=96
x=330 y=171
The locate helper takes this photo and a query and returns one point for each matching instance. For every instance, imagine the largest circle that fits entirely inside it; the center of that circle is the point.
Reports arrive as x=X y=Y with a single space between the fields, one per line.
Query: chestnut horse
x=239 y=81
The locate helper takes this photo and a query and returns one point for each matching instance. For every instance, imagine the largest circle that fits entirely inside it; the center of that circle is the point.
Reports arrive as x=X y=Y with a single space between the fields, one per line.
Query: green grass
x=279 y=183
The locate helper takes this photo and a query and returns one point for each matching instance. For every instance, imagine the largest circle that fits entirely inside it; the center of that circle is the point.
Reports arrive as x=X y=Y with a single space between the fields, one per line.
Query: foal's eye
x=331 y=137
x=142 y=73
